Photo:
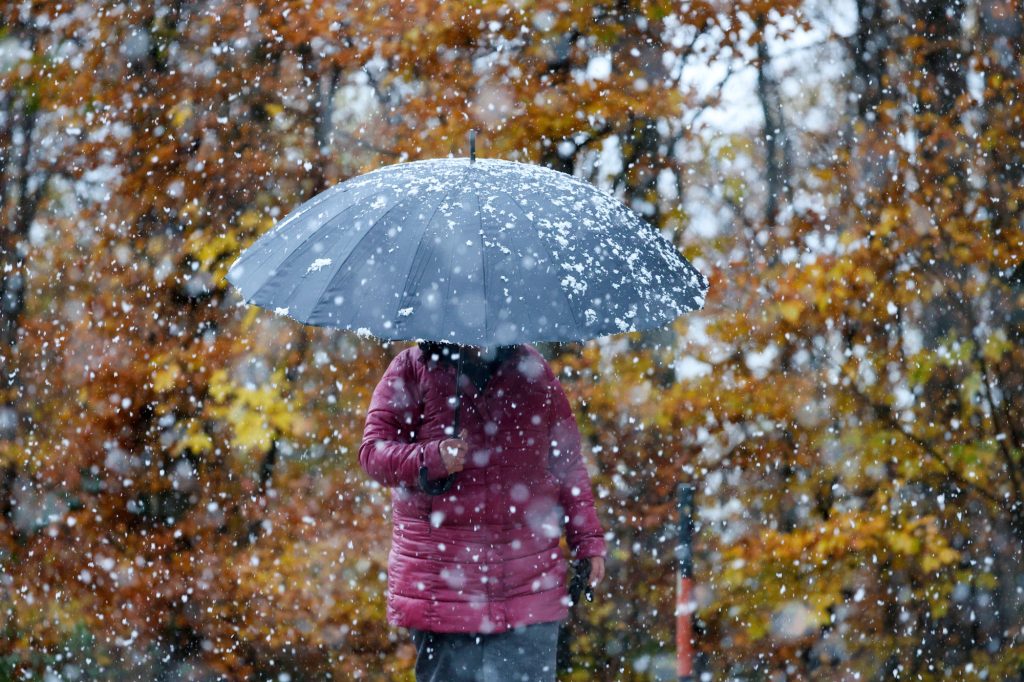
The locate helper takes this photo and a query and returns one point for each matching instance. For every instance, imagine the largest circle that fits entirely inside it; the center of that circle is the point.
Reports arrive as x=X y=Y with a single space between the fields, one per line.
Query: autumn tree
x=180 y=494
x=179 y=491
x=856 y=429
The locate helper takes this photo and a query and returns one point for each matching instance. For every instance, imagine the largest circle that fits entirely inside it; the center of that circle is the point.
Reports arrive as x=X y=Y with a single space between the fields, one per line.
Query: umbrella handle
x=442 y=485
x=438 y=487
x=580 y=582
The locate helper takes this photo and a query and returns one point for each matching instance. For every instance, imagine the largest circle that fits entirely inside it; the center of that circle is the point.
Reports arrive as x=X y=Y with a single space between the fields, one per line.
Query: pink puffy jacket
x=485 y=556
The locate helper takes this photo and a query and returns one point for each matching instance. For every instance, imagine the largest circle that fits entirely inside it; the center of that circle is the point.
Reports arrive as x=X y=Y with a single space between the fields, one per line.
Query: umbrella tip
x=472 y=145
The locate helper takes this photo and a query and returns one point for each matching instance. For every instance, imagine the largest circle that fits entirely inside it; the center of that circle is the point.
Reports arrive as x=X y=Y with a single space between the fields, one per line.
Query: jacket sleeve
x=583 y=528
x=389 y=452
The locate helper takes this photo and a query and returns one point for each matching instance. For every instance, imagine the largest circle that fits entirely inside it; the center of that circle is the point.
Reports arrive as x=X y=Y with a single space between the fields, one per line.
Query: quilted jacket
x=485 y=556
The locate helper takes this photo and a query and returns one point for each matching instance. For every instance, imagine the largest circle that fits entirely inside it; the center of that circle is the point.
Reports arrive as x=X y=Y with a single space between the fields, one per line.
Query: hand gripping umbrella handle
x=438 y=487
x=580 y=582
x=442 y=485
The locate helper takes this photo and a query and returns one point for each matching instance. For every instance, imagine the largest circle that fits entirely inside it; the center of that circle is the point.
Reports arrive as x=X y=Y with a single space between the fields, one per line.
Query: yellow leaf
x=249 y=219
x=219 y=385
x=902 y=542
x=181 y=114
x=791 y=310
x=165 y=377
x=250 y=429
x=195 y=439
x=250 y=317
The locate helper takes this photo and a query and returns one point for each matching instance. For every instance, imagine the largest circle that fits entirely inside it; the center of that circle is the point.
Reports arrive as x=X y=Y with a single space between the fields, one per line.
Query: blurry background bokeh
x=179 y=492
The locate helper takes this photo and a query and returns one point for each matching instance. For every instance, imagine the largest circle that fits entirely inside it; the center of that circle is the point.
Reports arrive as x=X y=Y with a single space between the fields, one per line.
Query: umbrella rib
x=288 y=220
x=301 y=244
x=426 y=228
x=314 y=202
x=451 y=259
x=540 y=238
x=341 y=265
x=657 y=317
x=483 y=264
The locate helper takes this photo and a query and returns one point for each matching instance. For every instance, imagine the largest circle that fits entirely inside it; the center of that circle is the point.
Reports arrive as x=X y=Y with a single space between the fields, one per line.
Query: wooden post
x=685 y=604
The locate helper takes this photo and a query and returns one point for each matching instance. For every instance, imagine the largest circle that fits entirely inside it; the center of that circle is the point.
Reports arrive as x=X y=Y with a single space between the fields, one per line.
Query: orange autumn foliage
x=177 y=478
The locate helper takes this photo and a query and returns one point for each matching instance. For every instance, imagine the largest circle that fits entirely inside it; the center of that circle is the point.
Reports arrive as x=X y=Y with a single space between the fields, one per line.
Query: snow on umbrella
x=474 y=253
x=471 y=252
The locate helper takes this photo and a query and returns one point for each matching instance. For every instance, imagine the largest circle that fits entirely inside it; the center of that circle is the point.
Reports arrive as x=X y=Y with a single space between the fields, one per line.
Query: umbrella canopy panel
x=484 y=253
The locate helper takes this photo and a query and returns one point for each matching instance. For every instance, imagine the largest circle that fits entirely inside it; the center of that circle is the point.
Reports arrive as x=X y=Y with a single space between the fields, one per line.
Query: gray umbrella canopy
x=482 y=253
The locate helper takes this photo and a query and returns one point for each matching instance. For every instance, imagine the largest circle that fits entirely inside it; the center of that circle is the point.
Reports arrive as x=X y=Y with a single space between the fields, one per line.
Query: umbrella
x=469 y=251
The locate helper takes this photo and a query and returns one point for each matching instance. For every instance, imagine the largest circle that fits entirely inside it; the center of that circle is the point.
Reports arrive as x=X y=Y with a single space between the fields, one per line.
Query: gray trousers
x=525 y=654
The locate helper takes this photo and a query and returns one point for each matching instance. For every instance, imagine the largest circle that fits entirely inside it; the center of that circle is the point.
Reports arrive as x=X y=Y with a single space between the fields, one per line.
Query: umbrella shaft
x=442 y=486
x=458 y=397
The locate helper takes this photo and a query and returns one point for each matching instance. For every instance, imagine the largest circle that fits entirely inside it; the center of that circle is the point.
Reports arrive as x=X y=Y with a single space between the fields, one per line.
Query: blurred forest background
x=179 y=492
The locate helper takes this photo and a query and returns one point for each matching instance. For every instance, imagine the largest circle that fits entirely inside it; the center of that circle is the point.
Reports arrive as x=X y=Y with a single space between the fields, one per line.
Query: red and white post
x=685 y=603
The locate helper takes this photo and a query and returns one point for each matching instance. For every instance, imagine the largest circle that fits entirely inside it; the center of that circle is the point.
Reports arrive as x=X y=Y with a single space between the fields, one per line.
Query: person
x=477 y=574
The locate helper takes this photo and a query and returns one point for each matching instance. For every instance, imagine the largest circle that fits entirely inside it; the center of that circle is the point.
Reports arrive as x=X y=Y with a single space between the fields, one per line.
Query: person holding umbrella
x=474 y=260
x=476 y=573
